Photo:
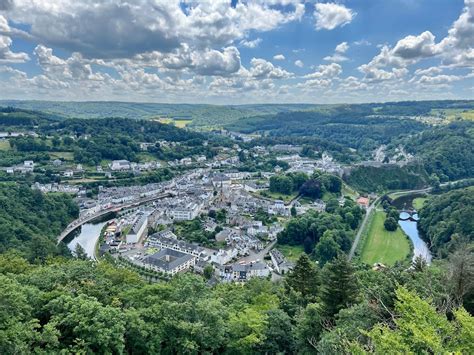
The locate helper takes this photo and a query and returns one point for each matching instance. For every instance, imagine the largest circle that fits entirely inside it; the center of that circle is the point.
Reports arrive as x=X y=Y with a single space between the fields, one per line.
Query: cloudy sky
x=232 y=52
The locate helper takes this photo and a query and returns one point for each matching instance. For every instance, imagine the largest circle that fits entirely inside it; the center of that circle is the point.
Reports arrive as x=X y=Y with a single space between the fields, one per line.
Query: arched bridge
x=86 y=219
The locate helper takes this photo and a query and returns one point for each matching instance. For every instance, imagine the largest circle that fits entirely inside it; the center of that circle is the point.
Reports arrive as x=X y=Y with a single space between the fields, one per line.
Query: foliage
x=30 y=221
x=447 y=220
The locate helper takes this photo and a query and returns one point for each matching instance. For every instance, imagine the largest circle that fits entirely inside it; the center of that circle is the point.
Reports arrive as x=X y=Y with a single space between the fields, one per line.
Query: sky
x=236 y=51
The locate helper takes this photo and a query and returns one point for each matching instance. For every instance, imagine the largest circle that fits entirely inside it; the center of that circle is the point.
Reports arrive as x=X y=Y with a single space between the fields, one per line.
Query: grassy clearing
x=182 y=123
x=278 y=196
x=418 y=202
x=291 y=252
x=4 y=145
x=383 y=246
x=62 y=155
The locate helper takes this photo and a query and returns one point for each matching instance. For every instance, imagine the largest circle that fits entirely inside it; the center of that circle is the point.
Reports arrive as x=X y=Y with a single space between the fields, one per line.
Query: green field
x=278 y=196
x=4 y=145
x=383 y=246
x=291 y=252
x=62 y=155
x=418 y=202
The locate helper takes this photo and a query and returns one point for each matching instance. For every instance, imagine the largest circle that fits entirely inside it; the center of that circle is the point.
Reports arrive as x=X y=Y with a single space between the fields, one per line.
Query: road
x=257 y=256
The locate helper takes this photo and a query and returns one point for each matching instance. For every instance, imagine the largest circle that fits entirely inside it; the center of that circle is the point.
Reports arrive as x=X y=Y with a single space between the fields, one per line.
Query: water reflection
x=419 y=246
x=87 y=238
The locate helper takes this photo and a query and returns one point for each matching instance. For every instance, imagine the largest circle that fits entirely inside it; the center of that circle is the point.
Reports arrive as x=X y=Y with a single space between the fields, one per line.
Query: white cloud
x=325 y=71
x=330 y=15
x=338 y=56
x=260 y=68
x=251 y=44
x=342 y=47
x=299 y=63
x=279 y=57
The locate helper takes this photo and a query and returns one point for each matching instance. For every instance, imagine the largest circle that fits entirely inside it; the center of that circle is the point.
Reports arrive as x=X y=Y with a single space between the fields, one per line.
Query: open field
x=418 y=202
x=291 y=252
x=278 y=196
x=182 y=123
x=4 y=145
x=62 y=155
x=383 y=246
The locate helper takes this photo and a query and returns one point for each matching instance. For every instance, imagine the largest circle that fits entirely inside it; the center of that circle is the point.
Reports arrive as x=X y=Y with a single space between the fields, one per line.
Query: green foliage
x=339 y=287
x=307 y=230
x=420 y=329
x=304 y=279
x=387 y=177
x=30 y=221
x=390 y=224
x=447 y=220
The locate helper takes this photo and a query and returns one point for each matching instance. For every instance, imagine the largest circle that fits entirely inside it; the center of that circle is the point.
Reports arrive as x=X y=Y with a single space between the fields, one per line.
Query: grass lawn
x=383 y=246
x=4 y=145
x=278 y=196
x=291 y=252
x=418 y=202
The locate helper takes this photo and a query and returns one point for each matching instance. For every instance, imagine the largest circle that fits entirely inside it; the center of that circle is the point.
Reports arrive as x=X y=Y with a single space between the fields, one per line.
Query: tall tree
x=304 y=278
x=339 y=288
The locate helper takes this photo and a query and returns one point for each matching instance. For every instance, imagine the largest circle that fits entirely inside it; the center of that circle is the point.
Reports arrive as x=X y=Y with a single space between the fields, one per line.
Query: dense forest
x=30 y=221
x=387 y=177
x=446 y=151
x=74 y=306
x=447 y=221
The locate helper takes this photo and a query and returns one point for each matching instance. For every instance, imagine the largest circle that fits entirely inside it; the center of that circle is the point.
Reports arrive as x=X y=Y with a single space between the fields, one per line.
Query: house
x=363 y=202
x=167 y=239
x=118 y=165
x=68 y=173
x=242 y=273
x=223 y=257
x=279 y=262
x=170 y=261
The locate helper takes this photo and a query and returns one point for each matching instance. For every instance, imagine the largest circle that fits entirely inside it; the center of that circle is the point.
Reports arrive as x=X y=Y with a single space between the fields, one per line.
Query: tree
x=419 y=329
x=312 y=188
x=309 y=326
x=304 y=278
x=390 y=224
x=339 y=288
x=208 y=271
x=279 y=333
x=419 y=263
x=293 y=211
x=80 y=253
x=327 y=248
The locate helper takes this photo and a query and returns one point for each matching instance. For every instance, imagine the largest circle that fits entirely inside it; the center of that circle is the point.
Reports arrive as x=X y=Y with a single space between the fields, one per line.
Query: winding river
x=87 y=238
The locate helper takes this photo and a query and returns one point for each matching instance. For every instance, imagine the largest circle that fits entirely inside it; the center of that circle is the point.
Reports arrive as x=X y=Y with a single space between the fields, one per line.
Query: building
x=242 y=273
x=170 y=261
x=118 y=165
x=363 y=202
x=279 y=262
x=168 y=240
x=138 y=230
x=187 y=213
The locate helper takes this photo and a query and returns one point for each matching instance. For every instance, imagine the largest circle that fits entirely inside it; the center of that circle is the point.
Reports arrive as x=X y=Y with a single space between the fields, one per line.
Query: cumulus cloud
x=338 y=55
x=279 y=57
x=260 y=68
x=325 y=71
x=330 y=15
x=299 y=63
x=93 y=27
x=251 y=44
x=6 y=54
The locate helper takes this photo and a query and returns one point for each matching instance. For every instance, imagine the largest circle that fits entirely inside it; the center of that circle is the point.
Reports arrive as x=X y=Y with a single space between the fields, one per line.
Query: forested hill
x=447 y=221
x=30 y=221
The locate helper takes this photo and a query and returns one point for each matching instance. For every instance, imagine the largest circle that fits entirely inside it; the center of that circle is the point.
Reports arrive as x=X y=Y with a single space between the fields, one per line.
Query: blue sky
x=240 y=52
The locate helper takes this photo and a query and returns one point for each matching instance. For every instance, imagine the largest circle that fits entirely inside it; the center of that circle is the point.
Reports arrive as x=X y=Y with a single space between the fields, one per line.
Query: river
x=419 y=246
x=87 y=238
